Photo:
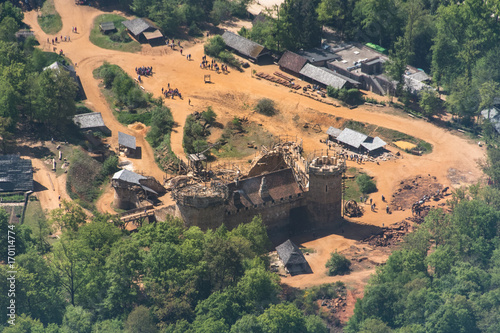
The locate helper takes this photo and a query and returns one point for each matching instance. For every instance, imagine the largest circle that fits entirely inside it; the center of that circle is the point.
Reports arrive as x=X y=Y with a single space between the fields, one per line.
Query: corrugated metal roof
x=323 y=76
x=414 y=86
x=292 y=61
x=138 y=26
x=107 y=26
x=16 y=174
x=420 y=76
x=318 y=54
x=372 y=144
x=89 y=120
x=242 y=45
x=332 y=131
x=132 y=178
x=351 y=138
x=58 y=66
x=197 y=157
x=290 y=254
x=494 y=117
x=126 y=140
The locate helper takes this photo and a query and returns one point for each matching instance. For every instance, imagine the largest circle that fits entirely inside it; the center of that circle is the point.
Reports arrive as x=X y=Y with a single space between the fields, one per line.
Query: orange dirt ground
x=231 y=95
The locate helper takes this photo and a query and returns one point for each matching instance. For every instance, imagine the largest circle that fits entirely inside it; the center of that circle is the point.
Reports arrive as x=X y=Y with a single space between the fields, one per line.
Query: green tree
x=282 y=318
x=209 y=117
x=429 y=102
x=365 y=184
x=69 y=217
x=140 y=321
x=8 y=29
x=214 y=46
x=77 y=319
x=266 y=107
x=338 y=264
x=247 y=324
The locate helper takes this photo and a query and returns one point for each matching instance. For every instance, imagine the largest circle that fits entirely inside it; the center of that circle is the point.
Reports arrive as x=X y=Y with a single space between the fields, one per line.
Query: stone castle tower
x=324 y=198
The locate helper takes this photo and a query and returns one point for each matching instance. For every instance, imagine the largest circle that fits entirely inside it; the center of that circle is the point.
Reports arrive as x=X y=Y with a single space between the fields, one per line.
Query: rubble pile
x=337 y=304
x=390 y=235
x=413 y=189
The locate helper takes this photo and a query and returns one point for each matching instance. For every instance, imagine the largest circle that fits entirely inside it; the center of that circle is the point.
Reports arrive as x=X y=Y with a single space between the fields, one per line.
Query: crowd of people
x=171 y=93
x=212 y=65
x=144 y=71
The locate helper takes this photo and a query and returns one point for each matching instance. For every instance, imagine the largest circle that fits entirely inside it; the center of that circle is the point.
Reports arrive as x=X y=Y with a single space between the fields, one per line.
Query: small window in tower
x=326 y=188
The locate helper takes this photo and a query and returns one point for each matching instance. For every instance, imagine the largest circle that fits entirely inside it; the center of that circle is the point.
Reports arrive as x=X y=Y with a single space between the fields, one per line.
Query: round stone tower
x=324 y=198
x=201 y=206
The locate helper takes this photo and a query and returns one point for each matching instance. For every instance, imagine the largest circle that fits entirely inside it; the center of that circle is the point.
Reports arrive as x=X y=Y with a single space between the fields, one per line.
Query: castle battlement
x=201 y=196
x=327 y=166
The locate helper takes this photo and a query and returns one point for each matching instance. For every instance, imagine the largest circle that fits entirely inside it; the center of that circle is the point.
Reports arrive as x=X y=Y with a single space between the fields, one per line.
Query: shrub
x=110 y=166
x=366 y=184
x=349 y=96
x=194 y=30
x=214 y=46
x=338 y=264
x=266 y=107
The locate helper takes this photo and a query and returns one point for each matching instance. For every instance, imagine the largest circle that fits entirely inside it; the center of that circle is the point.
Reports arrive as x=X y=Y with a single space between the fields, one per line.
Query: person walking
x=189 y=101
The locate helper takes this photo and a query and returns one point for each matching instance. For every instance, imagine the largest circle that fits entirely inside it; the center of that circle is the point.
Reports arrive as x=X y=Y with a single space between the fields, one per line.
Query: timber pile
x=276 y=80
x=336 y=304
x=283 y=76
x=390 y=235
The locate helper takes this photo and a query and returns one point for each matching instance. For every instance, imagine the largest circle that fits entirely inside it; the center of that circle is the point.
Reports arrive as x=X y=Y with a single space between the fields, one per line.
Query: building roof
x=132 y=178
x=292 y=61
x=107 y=26
x=318 y=54
x=243 y=45
x=290 y=254
x=352 y=138
x=494 y=116
x=126 y=140
x=89 y=120
x=420 y=76
x=24 y=33
x=16 y=174
x=138 y=25
x=281 y=184
x=197 y=157
x=332 y=131
x=414 y=86
x=57 y=66
x=323 y=75
x=372 y=144
x=153 y=35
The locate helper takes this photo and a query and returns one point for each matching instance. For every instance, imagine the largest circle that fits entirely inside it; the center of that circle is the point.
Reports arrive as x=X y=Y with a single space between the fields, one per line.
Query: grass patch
x=307 y=250
x=241 y=142
x=34 y=217
x=352 y=191
x=388 y=135
x=13 y=198
x=119 y=40
x=50 y=20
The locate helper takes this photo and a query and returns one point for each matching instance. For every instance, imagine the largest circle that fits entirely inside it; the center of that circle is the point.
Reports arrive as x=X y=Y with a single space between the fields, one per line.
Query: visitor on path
x=387 y=209
x=189 y=101
x=383 y=198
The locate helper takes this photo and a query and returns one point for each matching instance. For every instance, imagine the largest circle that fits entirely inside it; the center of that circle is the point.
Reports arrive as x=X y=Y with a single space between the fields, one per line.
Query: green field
x=119 y=40
x=50 y=20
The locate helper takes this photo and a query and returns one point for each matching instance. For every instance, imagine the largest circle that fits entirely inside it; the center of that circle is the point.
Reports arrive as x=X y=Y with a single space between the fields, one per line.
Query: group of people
x=212 y=65
x=171 y=93
x=57 y=40
x=145 y=71
x=172 y=44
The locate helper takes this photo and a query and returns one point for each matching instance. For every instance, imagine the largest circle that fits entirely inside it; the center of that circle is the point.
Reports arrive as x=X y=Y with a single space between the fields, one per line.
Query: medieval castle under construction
x=283 y=187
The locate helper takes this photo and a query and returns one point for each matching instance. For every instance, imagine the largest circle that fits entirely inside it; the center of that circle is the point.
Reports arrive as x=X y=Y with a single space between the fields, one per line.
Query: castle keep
x=282 y=187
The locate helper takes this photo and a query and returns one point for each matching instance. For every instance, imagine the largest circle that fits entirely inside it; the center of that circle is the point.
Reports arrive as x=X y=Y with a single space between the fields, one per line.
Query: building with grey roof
x=126 y=143
x=143 y=30
x=90 y=121
x=293 y=259
x=132 y=188
x=333 y=133
x=322 y=76
x=16 y=174
x=357 y=140
x=351 y=138
x=245 y=47
x=107 y=27
x=493 y=115
x=318 y=56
